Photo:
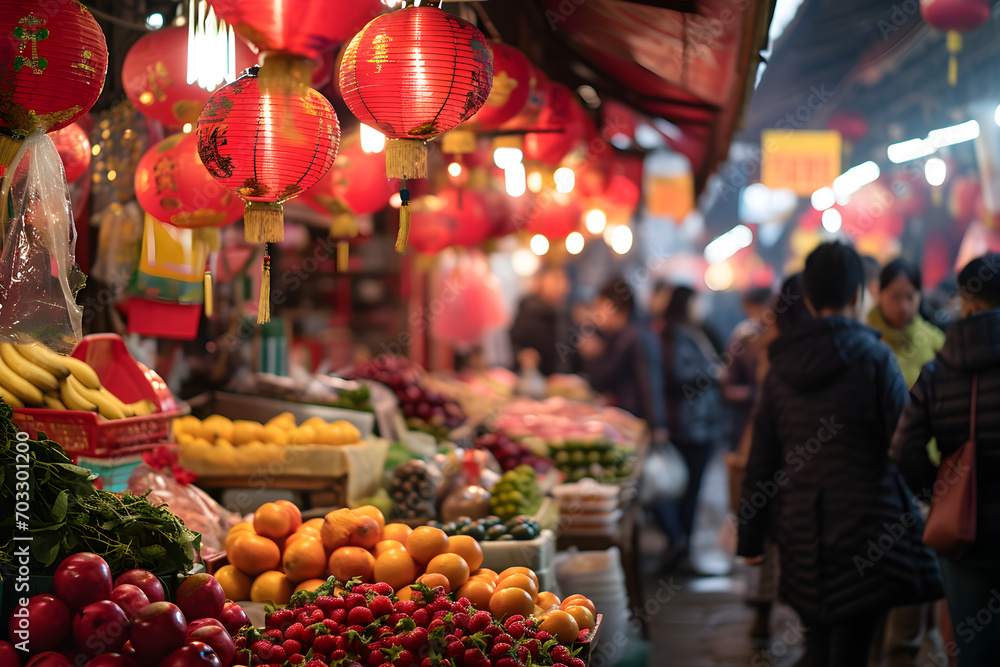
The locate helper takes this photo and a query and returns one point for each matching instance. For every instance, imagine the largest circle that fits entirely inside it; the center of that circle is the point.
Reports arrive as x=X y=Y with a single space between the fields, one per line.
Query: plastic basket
x=89 y=434
x=114 y=471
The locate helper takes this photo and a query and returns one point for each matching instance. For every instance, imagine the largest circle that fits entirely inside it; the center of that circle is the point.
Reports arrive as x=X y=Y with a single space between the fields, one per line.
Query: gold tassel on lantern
x=209 y=303
x=405 y=158
x=264 y=302
x=263 y=222
x=343 y=257
x=404 y=219
x=954 y=47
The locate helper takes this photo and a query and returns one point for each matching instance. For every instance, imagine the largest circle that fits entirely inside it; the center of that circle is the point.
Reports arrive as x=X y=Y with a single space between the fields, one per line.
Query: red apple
x=49 y=659
x=145 y=580
x=366 y=533
x=233 y=617
x=81 y=579
x=112 y=660
x=218 y=639
x=100 y=627
x=200 y=596
x=156 y=630
x=201 y=622
x=9 y=655
x=194 y=654
x=43 y=623
x=130 y=598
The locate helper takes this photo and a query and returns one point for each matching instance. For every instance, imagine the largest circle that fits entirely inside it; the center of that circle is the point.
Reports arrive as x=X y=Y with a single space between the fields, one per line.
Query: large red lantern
x=955 y=17
x=355 y=184
x=413 y=74
x=267 y=148
x=173 y=186
x=74 y=149
x=307 y=28
x=512 y=77
x=53 y=59
x=454 y=217
x=154 y=76
x=552 y=214
x=564 y=121
x=538 y=90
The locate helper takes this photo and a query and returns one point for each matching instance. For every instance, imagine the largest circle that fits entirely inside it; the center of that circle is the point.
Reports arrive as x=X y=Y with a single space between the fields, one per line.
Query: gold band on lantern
x=263 y=222
x=405 y=158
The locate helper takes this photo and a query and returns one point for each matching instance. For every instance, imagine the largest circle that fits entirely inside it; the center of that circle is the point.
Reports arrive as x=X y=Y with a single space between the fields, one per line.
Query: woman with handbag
x=956 y=401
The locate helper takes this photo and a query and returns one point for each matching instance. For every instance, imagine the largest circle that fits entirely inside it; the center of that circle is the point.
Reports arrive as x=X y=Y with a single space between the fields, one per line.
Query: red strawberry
x=523 y=653
x=354 y=600
x=415 y=640
x=272 y=653
x=331 y=625
x=291 y=646
x=380 y=606
x=473 y=657
x=328 y=603
x=315 y=663
x=274 y=635
x=427 y=662
x=325 y=644
x=375 y=658
x=517 y=618
x=533 y=646
x=304 y=617
x=560 y=653
x=280 y=619
x=360 y=616
x=421 y=617
x=296 y=659
x=504 y=638
x=381 y=588
x=435 y=624
x=575 y=662
x=461 y=620
x=405 y=659
x=406 y=607
x=493 y=631
x=338 y=615
x=480 y=621
x=318 y=616
x=499 y=650
x=507 y=661
x=439 y=604
x=361 y=589
x=294 y=631
x=308 y=635
x=542 y=636
x=454 y=649
x=440 y=614
x=463 y=603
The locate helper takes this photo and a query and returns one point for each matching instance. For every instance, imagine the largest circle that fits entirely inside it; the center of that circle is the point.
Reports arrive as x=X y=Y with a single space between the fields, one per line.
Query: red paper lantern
x=173 y=186
x=960 y=15
x=872 y=212
x=512 y=77
x=53 y=59
x=307 y=28
x=355 y=184
x=553 y=215
x=564 y=117
x=455 y=216
x=154 y=75
x=74 y=149
x=538 y=91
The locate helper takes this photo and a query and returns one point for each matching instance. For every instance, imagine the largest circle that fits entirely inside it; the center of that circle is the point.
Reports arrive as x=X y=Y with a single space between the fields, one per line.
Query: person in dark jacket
x=541 y=323
x=694 y=402
x=942 y=408
x=819 y=477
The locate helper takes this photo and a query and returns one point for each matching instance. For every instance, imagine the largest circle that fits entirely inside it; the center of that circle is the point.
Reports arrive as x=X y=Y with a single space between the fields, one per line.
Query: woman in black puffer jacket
x=819 y=478
x=941 y=409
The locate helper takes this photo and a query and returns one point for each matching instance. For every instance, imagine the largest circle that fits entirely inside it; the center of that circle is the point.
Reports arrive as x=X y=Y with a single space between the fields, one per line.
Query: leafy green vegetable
x=68 y=515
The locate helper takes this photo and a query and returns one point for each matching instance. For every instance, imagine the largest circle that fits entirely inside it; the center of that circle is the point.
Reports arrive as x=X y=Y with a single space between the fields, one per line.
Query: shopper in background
x=818 y=477
x=615 y=358
x=541 y=323
x=739 y=386
x=897 y=317
x=942 y=408
x=694 y=405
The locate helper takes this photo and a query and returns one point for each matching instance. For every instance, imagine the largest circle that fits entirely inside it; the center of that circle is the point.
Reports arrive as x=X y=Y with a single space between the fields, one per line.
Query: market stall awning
x=690 y=63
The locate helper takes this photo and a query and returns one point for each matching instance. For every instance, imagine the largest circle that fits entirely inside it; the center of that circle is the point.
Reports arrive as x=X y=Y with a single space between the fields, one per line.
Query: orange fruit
x=526 y=571
x=385 y=545
x=235 y=584
x=337 y=528
x=511 y=602
x=348 y=562
x=271 y=586
x=304 y=559
x=293 y=511
x=435 y=579
x=487 y=574
x=426 y=542
x=396 y=531
x=452 y=566
x=579 y=600
x=315 y=524
x=309 y=585
x=405 y=593
x=254 y=554
x=245 y=528
x=560 y=625
x=373 y=512
x=478 y=592
x=274 y=521
x=547 y=600
x=395 y=567
x=519 y=581
x=468 y=548
x=583 y=616
x=301 y=533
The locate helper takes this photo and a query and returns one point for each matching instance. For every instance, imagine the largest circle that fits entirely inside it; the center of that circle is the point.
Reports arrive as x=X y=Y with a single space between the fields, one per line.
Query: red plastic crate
x=89 y=434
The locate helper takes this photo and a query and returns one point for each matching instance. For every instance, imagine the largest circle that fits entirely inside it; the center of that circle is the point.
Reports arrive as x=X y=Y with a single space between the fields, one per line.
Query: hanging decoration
x=173 y=186
x=552 y=214
x=155 y=76
x=414 y=74
x=211 y=48
x=267 y=148
x=74 y=149
x=53 y=59
x=453 y=217
x=563 y=120
x=955 y=17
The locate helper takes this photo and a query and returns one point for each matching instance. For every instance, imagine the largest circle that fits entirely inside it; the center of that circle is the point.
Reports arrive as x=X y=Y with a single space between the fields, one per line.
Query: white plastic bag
x=664 y=474
x=39 y=277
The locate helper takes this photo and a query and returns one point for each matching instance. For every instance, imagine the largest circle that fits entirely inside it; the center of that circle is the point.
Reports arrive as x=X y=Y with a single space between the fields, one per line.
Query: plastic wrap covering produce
x=194 y=507
x=559 y=419
x=38 y=273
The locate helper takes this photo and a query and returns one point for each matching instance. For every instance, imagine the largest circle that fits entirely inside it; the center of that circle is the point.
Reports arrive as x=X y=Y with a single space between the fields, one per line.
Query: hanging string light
x=211 y=48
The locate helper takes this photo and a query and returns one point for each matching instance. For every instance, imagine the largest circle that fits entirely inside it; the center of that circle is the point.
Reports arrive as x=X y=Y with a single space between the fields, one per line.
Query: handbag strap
x=972 y=416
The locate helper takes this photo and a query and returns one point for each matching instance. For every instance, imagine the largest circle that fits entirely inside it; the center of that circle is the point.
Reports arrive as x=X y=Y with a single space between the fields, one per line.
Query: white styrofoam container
x=587 y=496
x=536 y=554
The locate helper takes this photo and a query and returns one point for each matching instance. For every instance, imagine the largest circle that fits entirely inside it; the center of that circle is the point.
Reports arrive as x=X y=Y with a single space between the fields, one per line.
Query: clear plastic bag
x=39 y=276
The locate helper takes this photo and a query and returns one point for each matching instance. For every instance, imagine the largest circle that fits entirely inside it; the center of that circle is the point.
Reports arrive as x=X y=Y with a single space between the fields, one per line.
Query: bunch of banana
x=33 y=375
